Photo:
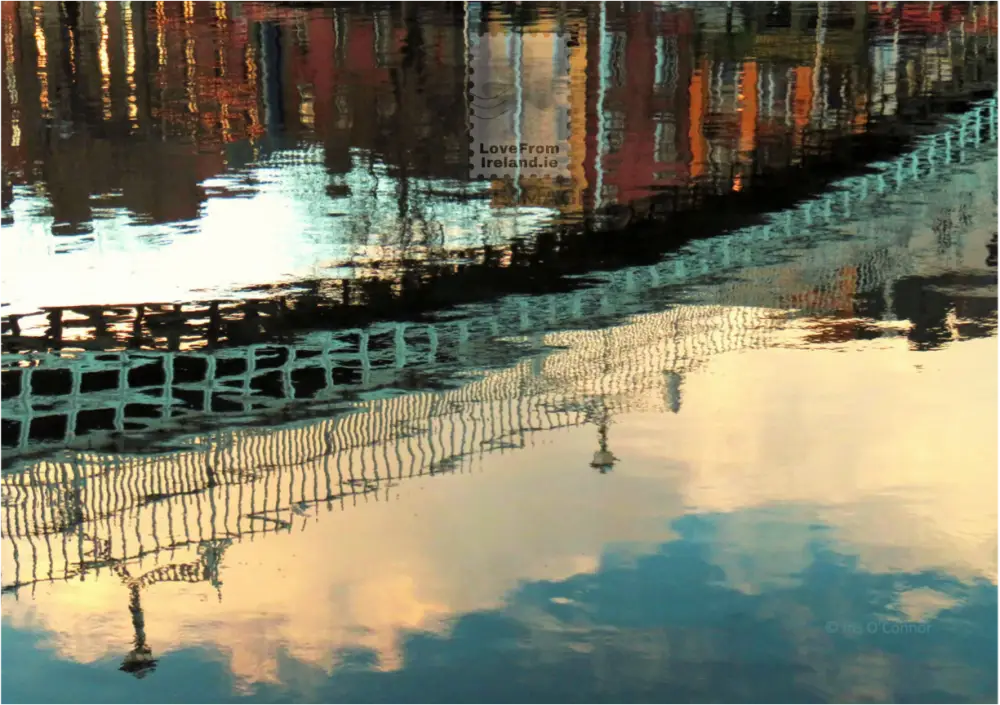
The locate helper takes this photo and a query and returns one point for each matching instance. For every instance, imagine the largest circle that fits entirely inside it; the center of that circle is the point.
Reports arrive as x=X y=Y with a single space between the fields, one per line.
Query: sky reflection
x=299 y=232
x=704 y=564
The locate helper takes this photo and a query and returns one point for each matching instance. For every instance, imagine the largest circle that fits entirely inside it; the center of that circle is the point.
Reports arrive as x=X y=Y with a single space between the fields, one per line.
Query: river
x=299 y=408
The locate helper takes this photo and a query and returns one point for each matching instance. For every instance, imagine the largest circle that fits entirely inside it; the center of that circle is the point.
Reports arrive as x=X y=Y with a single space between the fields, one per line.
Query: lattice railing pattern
x=236 y=483
x=373 y=367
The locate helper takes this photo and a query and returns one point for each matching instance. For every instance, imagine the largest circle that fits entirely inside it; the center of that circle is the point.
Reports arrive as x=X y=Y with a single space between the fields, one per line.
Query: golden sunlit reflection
x=104 y=61
x=307 y=110
x=133 y=107
x=42 y=70
x=189 y=70
x=227 y=133
x=72 y=53
x=10 y=78
x=161 y=39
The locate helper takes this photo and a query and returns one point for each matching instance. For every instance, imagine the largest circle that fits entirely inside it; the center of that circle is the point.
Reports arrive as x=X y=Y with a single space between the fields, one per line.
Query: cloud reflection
x=708 y=563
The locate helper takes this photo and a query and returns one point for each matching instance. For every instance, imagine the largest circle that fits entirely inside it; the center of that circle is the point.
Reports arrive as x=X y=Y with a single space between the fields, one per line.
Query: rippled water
x=297 y=409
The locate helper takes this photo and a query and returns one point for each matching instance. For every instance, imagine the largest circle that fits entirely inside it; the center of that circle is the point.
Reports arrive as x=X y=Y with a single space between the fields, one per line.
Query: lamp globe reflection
x=604 y=460
x=139 y=661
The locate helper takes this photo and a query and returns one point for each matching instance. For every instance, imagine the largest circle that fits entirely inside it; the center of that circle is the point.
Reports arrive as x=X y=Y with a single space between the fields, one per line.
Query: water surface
x=248 y=456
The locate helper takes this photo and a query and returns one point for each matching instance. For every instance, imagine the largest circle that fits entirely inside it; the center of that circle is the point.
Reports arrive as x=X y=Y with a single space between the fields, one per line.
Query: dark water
x=297 y=407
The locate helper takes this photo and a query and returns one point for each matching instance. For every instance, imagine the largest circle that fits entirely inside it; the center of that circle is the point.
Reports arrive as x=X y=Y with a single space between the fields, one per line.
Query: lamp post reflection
x=139 y=661
x=604 y=460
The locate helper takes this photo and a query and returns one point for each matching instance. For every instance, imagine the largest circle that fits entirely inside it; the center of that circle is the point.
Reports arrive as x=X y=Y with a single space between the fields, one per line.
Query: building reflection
x=658 y=97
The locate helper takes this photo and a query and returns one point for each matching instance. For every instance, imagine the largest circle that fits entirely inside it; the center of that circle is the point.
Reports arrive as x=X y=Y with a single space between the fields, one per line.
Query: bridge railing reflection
x=80 y=511
x=101 y=400
x=238 y=483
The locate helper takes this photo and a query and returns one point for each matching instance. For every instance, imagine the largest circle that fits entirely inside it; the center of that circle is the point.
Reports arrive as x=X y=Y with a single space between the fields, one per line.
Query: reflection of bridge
x=93 y=512
x=142 y=396
x=234 y=483
x=112 y=400
x=86 y=512
x=70 y=515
